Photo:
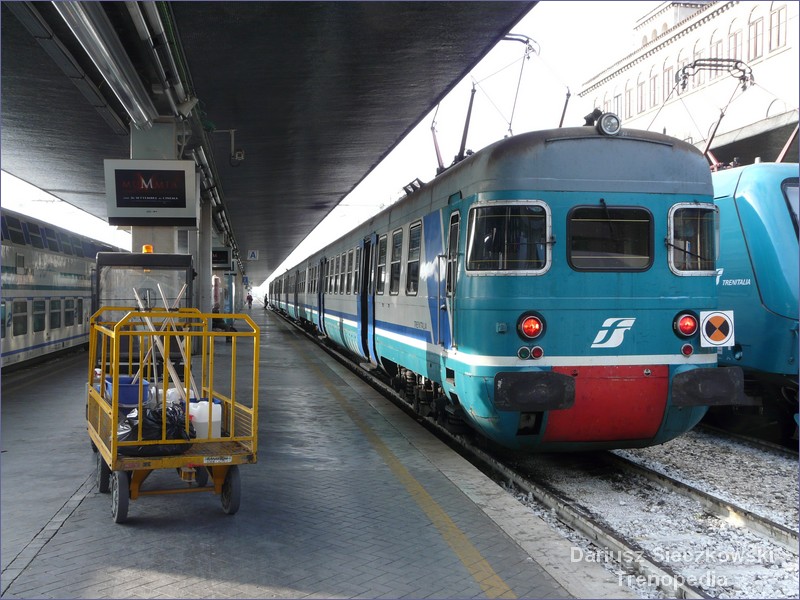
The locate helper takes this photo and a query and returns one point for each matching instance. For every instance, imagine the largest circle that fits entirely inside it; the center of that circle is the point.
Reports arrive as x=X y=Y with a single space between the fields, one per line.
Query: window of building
x=777 y=28
x=19 y=320
x=715 y=51
x=755 y=43
x=641 y=102
x=699 y=78
x=412 y=268
x=692 y=238
x=668 y=82
x=507 y=238
x=380 y=279
x=610 y=238
x=39 y=315
x=397 y=255
x=654 y=90
x=628 y=102
x=735 y=45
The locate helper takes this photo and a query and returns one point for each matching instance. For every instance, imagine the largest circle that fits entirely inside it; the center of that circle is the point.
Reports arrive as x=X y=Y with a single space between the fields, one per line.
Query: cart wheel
x=103 y=475
x=120 y=491
x=231 y=491
x=201 y=476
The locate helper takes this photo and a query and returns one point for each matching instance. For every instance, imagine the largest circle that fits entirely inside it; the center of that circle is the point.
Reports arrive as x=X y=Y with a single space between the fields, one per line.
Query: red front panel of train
x=611 y=403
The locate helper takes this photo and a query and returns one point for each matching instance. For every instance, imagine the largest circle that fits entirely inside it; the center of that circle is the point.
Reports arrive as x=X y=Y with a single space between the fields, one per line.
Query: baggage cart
x=142 y=410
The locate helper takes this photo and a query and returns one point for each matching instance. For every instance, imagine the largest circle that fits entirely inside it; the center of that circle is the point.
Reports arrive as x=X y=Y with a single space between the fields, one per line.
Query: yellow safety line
x=492 y=584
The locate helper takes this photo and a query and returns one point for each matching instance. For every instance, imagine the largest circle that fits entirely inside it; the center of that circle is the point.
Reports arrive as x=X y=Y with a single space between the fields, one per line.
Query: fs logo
x=612 y=332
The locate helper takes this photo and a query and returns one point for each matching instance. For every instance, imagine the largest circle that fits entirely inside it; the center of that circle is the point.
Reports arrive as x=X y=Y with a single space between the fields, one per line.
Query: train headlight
x=609 y=124
x=530 y=326
x=685 y=325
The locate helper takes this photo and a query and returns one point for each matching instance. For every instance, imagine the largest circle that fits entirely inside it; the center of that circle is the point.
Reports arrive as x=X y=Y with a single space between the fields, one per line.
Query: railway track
x=660 y=535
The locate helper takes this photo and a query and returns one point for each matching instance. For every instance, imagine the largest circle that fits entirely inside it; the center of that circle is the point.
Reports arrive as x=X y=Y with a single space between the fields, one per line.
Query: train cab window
x=19 y=319
x=610 y=238
x=39 y=315
x=397 y=254
x=509 y=237
x=381 y=266
x=412 y=270
x=69 y=312
x=55 y=314
x=693 y=238
x=790 y=192
x=349 y=272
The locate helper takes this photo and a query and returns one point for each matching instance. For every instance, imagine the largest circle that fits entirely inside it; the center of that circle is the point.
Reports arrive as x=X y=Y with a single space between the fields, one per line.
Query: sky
x=572 y=41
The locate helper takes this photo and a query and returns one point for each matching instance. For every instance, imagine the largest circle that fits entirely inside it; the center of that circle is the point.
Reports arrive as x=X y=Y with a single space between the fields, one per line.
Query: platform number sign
x=716 y=328
x=252 y=255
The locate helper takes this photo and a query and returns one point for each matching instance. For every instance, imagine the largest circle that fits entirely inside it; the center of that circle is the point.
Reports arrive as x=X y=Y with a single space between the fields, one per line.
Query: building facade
x=746 y=104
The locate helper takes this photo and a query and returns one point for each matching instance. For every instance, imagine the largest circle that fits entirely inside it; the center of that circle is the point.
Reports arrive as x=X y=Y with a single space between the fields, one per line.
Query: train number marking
x=612 y=332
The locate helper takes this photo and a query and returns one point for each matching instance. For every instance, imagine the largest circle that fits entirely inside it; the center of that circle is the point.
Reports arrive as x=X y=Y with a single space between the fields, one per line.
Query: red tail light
x=530 y=326
x=685 y=325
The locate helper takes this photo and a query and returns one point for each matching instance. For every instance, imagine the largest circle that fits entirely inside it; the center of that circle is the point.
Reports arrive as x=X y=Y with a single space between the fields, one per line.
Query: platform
x=350 y=498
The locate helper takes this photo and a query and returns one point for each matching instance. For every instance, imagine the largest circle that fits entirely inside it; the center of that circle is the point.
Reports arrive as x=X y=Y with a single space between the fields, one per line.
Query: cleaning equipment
x=198 y=413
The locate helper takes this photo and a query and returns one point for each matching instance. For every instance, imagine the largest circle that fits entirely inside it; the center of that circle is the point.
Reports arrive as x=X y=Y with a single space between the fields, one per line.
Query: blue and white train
x=46 y=288
x=548 y=291
x=759 y=279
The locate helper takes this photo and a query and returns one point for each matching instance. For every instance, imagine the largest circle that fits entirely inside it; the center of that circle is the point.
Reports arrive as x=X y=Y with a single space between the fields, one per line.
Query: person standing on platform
x=249 y=301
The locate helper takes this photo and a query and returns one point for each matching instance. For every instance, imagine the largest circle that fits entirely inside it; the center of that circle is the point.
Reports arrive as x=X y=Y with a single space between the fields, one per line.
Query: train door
x=366 y=301
x=321 y=281
x=296 y=291
x=450 y=280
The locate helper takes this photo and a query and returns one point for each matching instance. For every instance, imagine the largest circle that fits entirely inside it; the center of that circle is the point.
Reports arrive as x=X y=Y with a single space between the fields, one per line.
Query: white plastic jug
x=198 y=411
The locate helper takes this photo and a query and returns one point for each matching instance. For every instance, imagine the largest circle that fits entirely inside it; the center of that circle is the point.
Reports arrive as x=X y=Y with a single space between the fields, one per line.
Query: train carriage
x=47 y=288
x=547 y=291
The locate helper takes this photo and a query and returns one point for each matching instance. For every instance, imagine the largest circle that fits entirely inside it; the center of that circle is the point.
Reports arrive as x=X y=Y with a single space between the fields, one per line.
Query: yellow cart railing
x=132 y=366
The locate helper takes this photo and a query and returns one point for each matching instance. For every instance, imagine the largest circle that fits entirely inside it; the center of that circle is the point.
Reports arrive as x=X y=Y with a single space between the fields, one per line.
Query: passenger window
x=610 y=238
x=39 y=315
x=412 y=270
x=69 y=312
x=397 y=253
x=15 y=230
x=508 y=238
x=52 y=241
x=55 y=314
x=19 y=310
x=343 y=274
x=357 y=271
x=349 y=285
x=34 y=233
x=336 y=273
x=693 y=233
x=381 y=265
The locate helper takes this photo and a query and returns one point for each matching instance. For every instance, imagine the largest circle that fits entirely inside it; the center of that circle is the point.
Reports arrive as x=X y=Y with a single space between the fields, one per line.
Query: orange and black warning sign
x=716 y=328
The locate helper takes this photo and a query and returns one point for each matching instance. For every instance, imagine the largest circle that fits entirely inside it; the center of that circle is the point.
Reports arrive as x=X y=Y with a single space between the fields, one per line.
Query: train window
x=79 y=311
x=790 y=192
x=52 y=240
x=452 y=253
x=55 y=314
x=15 y=230
x=509 y=237
x=397 y=254
x=357 y=271
x=35 y=235
x=69 y=312
x=77 y=246
x=19 y=320
x=349 y=285
x=2 y=319
x=381 y=265
x=66 y=244
x=343 y=273
x=39 y=315
x=412 y=271
x=610 y=238
x=692 y=242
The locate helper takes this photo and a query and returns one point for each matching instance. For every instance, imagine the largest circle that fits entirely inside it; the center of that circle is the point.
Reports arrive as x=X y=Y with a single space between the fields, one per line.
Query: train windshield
x=508 y=237
x=790 y=192
x=610 y=238
x=693 y=239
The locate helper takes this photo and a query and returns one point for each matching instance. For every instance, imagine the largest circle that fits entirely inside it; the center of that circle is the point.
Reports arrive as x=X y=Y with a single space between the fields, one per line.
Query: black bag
x=128 y=430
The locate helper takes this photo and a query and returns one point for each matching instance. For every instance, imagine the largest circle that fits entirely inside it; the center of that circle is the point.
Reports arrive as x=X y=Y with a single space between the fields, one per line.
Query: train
x=554 y=291
x=758 y=277
x=47 y=288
